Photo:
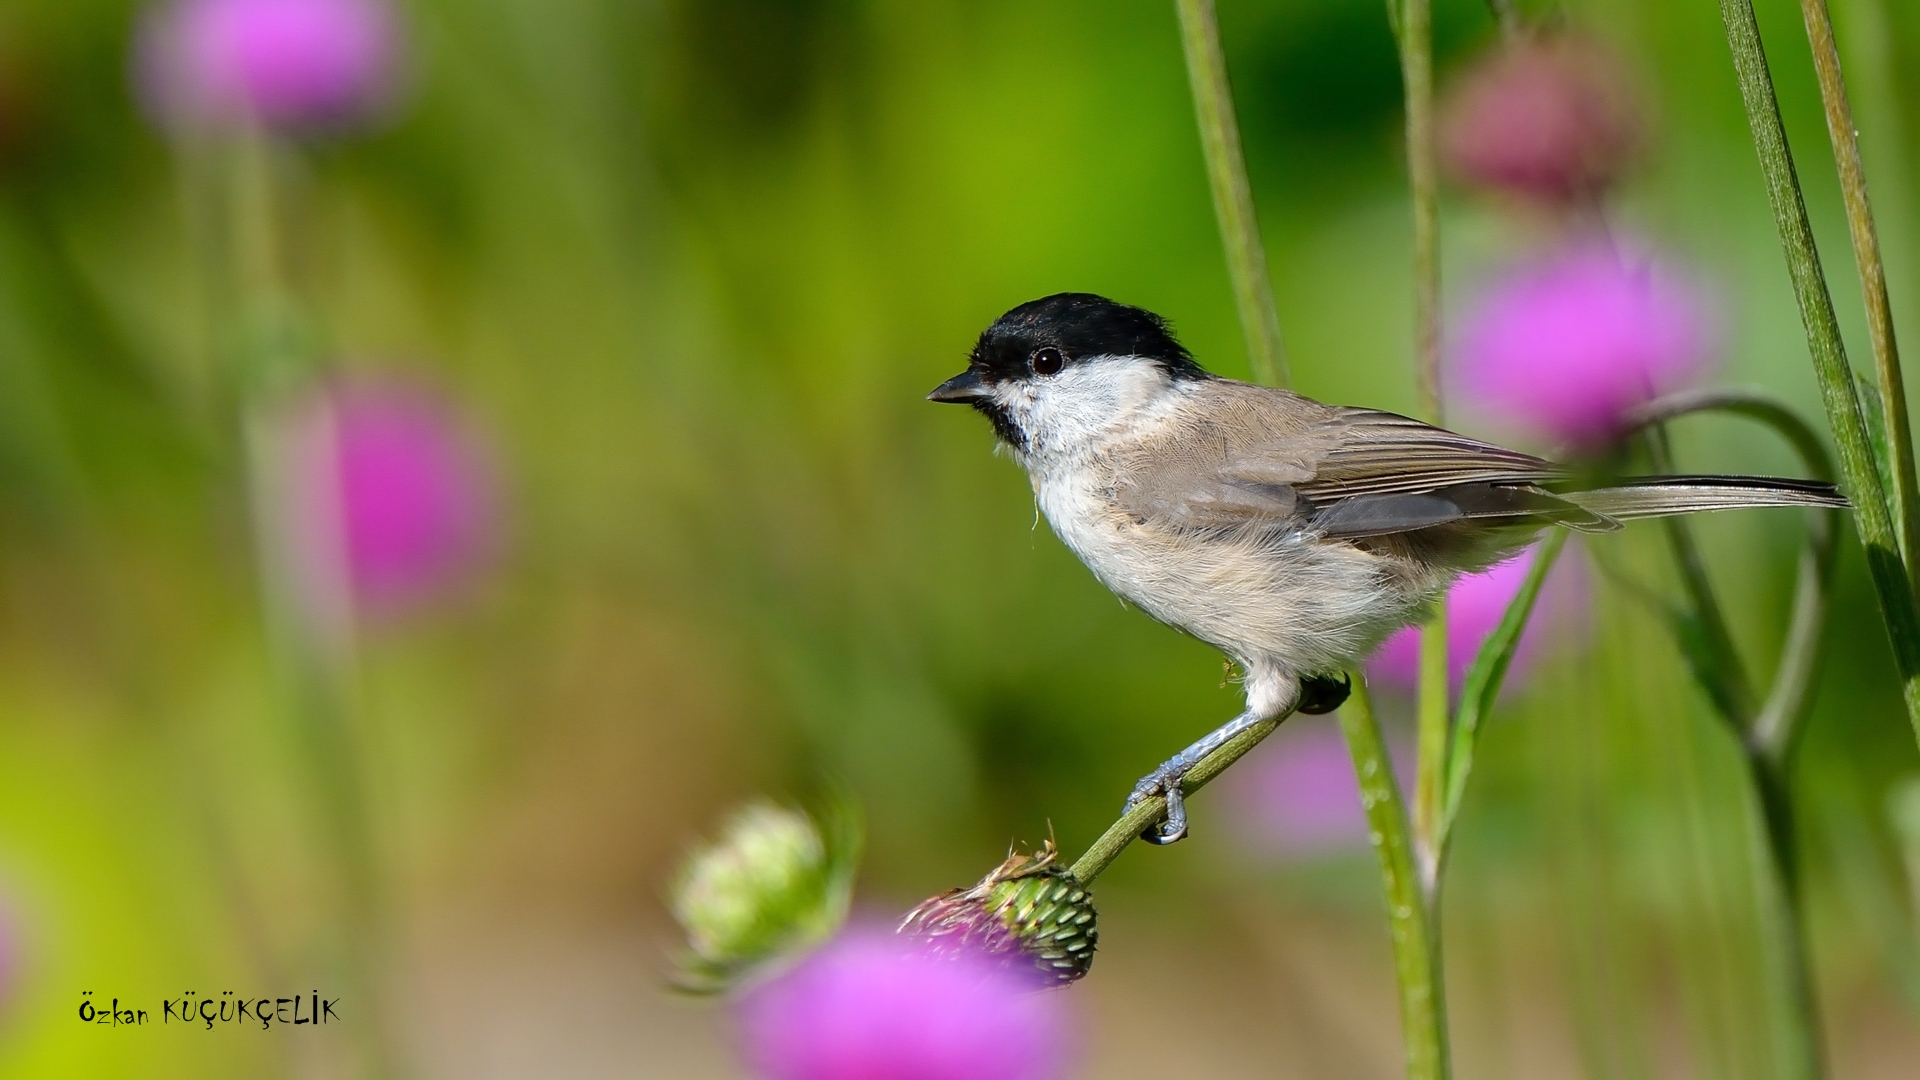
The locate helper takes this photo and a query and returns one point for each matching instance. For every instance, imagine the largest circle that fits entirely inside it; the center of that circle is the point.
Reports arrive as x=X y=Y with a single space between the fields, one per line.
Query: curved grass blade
x=1482 y=685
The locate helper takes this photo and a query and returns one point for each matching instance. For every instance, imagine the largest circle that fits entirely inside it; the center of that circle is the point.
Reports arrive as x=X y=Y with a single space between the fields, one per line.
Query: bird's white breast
x=1281 y=601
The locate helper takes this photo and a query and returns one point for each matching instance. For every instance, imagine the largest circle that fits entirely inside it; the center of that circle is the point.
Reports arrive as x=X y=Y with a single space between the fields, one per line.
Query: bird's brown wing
x=1269 y=457
x=1369 y=452
x=1381 y=473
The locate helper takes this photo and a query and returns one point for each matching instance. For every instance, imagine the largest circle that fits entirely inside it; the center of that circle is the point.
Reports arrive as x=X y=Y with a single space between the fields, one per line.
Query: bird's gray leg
x=1166 y=779
x=1269 y=694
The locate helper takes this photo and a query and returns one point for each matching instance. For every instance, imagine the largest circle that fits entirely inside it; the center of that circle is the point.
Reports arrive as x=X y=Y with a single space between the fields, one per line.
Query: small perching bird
x=1293 y=536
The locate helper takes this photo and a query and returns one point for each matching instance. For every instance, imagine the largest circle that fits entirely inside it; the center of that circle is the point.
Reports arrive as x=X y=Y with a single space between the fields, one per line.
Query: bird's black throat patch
x=1002 y=422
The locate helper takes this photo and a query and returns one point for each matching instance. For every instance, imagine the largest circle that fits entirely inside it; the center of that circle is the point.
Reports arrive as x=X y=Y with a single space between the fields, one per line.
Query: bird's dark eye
x=1048 y=361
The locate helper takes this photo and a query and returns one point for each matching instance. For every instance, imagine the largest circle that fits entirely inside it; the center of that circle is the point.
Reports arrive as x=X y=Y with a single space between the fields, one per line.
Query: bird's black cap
x=1079 y=325
x=1073 y=325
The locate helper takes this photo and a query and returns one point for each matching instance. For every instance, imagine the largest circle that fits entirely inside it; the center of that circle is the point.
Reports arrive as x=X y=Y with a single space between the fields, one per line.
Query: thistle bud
x=1029 y=912
x=771 y=887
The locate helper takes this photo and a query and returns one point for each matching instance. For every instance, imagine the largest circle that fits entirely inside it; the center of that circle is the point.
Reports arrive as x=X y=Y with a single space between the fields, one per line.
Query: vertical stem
x=1872 y=517
x=1870 y=47
x=1480 y=688
x=1873 y=274
x=1767 y=739
x=1435 y=744
x=306 y=605
x=1411 y=863
x=1232 y=197
x=1413 y=31
x=1719 y=670
x=1411 y=916
x=1799 y=1032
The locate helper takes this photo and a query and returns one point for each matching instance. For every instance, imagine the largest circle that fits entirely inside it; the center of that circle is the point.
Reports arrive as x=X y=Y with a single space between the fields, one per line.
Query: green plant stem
x=1127 y=829
x=1872 y=517
x=1873 y=274
x=1412 y=914
x=1709 y=644
x=1410 y=858
x=1413 y=33
x=1777 y=724
x=1232 y=195
x=1768 y=739
x=1800 y=1035
x=1259 y=320
x=1481 y=687
x=306 y=605
x=1871 y=47
x=1435 y=746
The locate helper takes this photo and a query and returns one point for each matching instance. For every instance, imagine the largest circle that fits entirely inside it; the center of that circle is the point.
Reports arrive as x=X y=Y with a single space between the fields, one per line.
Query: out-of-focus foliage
x=690 y=267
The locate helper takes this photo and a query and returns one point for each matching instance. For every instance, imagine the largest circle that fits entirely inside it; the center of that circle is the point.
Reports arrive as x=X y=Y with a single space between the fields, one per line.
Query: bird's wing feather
x=1369 y=452
x=1495 y=504
x=1375 y=473
x=1272 y=458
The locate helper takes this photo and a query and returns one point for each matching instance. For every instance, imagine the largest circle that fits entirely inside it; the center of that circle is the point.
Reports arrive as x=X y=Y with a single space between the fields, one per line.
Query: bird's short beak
x=962 y=389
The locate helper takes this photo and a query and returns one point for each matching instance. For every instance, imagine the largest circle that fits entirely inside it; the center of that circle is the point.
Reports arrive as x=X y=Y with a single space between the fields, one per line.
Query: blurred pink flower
x=1295 y=795
x=1565 y=346
x=281 y=63
x=870 y=1006
x=413 y=492
x=391 y=489
x=1475 y=606
x=1549 y=117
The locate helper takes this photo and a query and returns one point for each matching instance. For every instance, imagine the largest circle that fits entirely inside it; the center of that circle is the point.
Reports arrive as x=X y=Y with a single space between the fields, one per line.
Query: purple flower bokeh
x=1564 y=347
x=403 y=490
x=1295 y=797
x=1549 y=118
x=1475 y=605
x=283 y=64
x=871 y=1006
x=413 y=492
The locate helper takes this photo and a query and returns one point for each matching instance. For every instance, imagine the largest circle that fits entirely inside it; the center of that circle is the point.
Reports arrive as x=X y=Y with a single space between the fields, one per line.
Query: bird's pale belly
x=1285 y=601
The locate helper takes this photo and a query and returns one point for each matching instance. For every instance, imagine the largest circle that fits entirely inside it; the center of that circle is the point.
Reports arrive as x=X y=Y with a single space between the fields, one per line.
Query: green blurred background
x=691 y=265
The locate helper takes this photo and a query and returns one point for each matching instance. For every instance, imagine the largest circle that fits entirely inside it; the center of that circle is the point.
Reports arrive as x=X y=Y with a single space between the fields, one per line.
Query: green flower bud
x=1030 y=911
x=771 y=887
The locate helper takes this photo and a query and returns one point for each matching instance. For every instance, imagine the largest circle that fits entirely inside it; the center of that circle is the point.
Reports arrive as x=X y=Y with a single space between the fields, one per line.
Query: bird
x=1292 y=535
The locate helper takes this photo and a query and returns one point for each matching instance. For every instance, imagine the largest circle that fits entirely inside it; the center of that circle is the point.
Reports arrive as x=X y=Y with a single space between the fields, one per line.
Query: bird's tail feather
x=1659 y=496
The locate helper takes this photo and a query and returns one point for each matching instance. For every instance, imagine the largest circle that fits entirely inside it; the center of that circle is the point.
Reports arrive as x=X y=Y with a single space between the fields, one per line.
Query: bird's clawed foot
x=1321 y=694
x=1164 y=781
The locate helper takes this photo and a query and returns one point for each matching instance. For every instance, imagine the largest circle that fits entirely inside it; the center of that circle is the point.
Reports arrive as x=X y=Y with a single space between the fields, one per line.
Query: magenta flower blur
x=1295 y=796
x=1549 y=118
x=388 y=497
x=284 y=64
x=1475 y=606
x=413 y=491
x=870 y=1006
x=1564 y=347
